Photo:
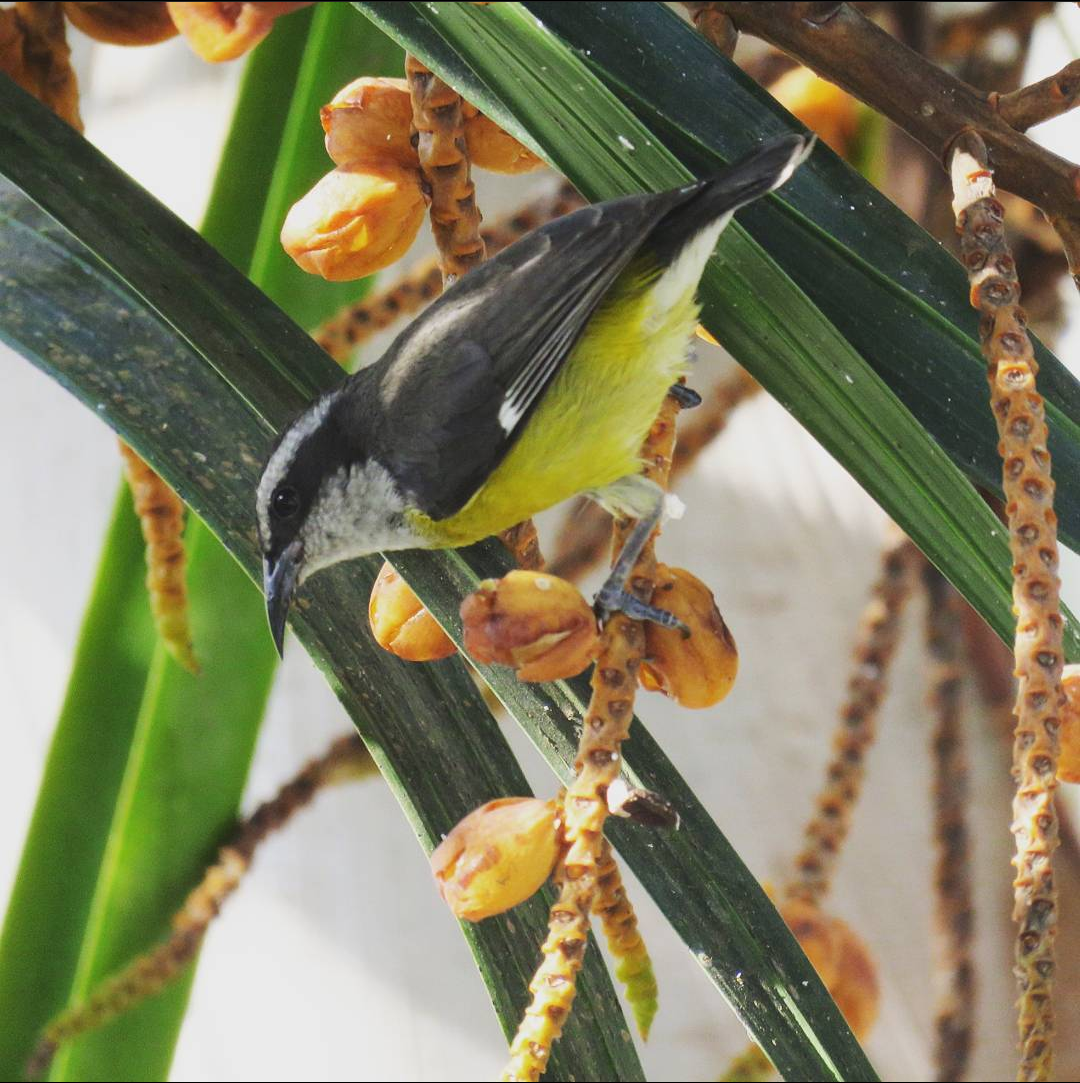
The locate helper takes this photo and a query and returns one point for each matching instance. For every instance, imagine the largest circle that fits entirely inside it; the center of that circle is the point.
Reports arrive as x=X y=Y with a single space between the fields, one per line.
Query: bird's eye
x=285 y=502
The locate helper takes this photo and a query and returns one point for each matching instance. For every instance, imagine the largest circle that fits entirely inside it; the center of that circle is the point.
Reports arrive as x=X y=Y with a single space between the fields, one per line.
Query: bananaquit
x=534 y=378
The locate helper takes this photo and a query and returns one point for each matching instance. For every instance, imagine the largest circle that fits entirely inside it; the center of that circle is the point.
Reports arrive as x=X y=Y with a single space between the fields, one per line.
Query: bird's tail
x=715 y=199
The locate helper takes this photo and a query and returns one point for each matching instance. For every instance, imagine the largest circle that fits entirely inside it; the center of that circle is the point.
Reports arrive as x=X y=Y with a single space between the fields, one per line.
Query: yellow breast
x=589 y=427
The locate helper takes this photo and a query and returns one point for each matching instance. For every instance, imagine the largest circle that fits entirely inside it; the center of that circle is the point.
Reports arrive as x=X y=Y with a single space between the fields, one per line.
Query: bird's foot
x=686 y=397
x=614 y=599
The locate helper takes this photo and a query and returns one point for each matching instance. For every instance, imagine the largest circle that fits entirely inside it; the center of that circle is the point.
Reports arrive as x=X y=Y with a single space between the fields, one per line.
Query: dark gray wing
x=459 y=383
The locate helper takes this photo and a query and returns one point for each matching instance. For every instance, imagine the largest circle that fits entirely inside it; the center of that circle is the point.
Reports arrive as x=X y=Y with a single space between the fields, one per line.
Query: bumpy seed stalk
x=581 y=540
x=439 y=131
x=355 y=323
x=750 y=1066
x=875 y=646
x=153 y=971
x=953 y=903
x=1029 y=505
x=524 y=544
x=605 y=727
x=617 y=918
x=161 y=515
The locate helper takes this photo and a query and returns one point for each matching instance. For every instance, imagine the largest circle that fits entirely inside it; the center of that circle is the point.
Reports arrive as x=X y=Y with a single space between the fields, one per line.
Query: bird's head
x=321 y=499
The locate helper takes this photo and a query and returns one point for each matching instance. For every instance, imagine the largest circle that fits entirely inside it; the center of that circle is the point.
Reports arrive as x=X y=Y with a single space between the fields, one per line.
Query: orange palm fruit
x=497 y=856
x=401 y=624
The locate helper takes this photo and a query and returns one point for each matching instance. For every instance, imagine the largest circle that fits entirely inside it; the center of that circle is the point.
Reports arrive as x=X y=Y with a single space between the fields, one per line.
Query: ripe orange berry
x=537 y=623
x=698 y=670
x=401 y=624
x=356 y=220
x=1068 y=769
x=497 y=856
x=370 y=117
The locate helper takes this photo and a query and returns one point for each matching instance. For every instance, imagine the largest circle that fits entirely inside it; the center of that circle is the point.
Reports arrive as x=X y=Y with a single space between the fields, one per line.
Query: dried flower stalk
x=875 y=645
x=152 y=972
x=161 y=515
x=355 y=323
x=953 y=903
x=619 y=921
x=1029 y=497
x=605 y=727
x=444 y=165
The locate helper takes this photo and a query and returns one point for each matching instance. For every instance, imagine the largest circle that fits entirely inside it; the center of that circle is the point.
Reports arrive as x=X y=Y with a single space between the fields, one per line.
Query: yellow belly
x=589 y=427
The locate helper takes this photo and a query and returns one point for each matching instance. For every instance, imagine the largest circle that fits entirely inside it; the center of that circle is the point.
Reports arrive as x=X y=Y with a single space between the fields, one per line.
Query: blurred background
x=337 y=959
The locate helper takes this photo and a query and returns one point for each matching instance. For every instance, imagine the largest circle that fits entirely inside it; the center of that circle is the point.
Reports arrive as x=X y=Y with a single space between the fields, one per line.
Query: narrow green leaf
x=439 y=719
x=200 y=407
x=46 y=924
x=50 y=901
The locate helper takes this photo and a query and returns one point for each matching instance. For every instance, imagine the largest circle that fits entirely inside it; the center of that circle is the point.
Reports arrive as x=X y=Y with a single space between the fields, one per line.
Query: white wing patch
x=425 y=343
x=532 y=379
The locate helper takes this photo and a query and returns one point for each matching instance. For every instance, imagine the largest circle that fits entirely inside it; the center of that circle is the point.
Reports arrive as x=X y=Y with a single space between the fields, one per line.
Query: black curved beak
x=279 y=582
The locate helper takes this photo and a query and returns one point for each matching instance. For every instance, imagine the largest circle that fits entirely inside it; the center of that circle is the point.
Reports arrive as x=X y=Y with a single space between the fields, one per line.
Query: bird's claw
x=686 y=397
x=610 y=601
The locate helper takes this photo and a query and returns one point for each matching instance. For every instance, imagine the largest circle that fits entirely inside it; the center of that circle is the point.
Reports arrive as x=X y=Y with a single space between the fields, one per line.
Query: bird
x=532 y=379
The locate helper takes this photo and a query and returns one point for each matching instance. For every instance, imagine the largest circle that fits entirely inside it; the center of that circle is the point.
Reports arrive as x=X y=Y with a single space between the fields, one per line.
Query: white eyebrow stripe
x=285 y=454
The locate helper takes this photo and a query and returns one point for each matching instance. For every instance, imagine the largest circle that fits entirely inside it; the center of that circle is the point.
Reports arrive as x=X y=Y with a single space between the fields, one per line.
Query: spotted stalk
x=155 y=970
x=605 y=727
x=1029 y=505
x=633 y=967
x=953 y=901
x=439 y=131
x=875 y=645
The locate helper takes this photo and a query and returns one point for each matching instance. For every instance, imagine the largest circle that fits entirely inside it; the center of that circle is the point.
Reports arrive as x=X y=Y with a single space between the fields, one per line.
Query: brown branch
x=153 y=971
x=875 y=645
x=1044 y=100
x=714 y=26
x=954 y=1014
x=599 y=760
x=931 y=105
x=1029 y=498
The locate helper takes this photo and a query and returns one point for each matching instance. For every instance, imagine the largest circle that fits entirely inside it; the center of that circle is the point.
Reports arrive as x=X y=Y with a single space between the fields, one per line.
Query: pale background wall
x=337 y=960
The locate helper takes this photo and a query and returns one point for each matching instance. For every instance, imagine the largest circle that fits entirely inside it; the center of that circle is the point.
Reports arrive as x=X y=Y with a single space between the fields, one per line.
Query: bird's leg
x=613 y=597
x=686 y=397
